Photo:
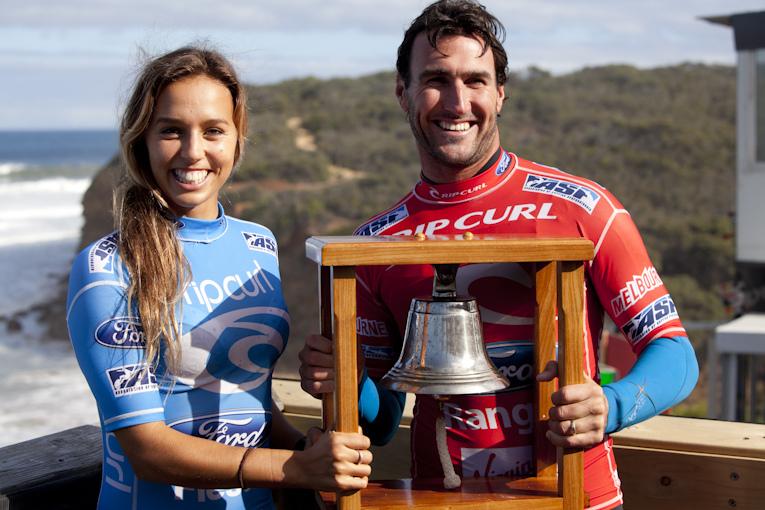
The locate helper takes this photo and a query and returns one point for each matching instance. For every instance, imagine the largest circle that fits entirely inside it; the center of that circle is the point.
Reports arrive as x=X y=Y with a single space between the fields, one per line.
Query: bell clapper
x=451 y=478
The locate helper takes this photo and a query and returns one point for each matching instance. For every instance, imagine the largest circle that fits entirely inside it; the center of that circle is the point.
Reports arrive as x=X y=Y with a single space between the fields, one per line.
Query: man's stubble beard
x=482 y=147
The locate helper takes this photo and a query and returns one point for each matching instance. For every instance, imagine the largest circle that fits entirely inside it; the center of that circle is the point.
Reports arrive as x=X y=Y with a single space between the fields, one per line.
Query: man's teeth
x=462 y=126
x=190 y=176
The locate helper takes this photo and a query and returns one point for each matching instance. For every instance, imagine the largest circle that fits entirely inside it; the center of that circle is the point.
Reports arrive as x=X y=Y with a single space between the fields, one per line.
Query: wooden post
x=344 y=348
x=570 y=338
x=544 y=351
x=325 y=326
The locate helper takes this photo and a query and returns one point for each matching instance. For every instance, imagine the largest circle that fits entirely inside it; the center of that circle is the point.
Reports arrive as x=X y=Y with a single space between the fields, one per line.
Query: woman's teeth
x=190 y=176
x=448 y=126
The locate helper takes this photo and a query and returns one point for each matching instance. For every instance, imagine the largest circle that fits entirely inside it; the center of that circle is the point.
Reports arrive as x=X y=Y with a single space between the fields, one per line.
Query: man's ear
x=401 y=94
x=500 y=97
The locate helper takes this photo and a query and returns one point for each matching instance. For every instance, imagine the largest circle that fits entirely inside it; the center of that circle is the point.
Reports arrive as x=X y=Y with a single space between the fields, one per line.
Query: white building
x=739 y=346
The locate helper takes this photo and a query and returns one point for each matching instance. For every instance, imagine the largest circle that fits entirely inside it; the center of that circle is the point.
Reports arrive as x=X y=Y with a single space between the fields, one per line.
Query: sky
x=70 y=65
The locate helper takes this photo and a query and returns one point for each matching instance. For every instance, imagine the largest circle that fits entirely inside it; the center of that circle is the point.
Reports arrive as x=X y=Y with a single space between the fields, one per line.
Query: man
x=451 y=72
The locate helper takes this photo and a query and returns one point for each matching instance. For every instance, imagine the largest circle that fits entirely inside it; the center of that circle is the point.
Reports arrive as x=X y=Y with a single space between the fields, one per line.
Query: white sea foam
x=40 y=223
x=41 y=211
x=9 y=168
x=36 y=377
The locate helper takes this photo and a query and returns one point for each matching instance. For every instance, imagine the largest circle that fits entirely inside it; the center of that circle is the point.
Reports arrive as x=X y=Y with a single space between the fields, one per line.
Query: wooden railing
x=664 y=463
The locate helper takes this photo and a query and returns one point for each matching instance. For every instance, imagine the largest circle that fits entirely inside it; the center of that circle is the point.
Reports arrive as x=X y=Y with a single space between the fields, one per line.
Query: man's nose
x=456 y=99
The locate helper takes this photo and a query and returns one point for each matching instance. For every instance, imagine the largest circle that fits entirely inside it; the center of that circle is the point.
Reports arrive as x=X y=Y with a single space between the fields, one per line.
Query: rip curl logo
x=249 y=339
x=210 y=293
x=101 y=255
x=121 y=333
x=447 y=195
x=380 y=223
x=581 y=195
x=129 y=379
x=261 y=243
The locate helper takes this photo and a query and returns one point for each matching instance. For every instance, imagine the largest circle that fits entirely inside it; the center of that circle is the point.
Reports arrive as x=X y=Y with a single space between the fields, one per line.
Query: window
x=759 y=83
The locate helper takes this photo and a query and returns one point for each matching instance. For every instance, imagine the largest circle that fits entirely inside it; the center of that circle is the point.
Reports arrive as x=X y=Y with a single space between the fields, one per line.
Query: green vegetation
x=662 y=140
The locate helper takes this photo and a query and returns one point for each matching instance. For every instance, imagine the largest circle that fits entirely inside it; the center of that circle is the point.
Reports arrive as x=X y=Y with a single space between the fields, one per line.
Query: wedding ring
x=359 y=459
x=572 y=428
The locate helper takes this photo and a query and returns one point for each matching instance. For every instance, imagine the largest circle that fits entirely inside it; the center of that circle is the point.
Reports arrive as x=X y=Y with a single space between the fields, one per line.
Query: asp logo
x=377 y=352
x=397 y=215
x=129 y=379
x=261 y=243
x=582 y=196
x=121 y=333
x=101 y=255
x=649 y=318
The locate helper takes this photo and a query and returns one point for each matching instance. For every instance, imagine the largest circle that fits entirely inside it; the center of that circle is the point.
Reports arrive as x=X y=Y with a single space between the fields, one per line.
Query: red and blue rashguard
x=492 y=434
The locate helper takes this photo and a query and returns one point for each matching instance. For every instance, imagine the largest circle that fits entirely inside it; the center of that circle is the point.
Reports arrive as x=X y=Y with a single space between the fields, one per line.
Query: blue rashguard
x=234 y=327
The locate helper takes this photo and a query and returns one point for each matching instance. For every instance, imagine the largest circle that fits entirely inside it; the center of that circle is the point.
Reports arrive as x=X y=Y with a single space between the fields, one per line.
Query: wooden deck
x=664 y=463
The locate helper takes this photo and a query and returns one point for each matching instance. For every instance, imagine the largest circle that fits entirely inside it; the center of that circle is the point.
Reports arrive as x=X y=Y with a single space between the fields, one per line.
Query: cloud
x=371 y=15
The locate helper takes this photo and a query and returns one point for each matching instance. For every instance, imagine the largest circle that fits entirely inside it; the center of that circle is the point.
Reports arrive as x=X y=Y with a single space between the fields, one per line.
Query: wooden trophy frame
x=559 y=276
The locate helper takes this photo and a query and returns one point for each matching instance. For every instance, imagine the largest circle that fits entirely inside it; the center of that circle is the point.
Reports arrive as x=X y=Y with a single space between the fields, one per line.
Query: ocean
x=43 y=175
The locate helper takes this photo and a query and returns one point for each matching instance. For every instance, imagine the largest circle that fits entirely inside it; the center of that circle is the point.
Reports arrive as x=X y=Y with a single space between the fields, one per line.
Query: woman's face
x=191 y=141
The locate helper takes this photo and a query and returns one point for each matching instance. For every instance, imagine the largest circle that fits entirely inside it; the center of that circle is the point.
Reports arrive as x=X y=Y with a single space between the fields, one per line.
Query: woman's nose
x=193 y=147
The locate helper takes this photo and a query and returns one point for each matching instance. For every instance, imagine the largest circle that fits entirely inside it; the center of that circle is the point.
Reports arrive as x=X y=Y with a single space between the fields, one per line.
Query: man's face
x=452 y=104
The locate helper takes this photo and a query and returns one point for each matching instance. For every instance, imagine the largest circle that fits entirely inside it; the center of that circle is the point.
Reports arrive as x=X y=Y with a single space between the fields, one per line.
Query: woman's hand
x=580 y=413
x=333 y=461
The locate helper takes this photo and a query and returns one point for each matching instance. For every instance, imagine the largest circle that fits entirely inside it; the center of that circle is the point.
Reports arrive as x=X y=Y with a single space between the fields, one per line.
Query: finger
x=312 y=436
x=570 y=411
x=317 y=388
x=350 y=484
x=316 y=373
x=319 y=343
x=314 y=358
x=550 y=372
x=352 y=440
x=577 y=393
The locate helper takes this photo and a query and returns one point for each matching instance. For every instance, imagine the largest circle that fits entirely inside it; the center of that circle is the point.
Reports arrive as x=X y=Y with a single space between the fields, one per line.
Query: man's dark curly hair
x=455 y=17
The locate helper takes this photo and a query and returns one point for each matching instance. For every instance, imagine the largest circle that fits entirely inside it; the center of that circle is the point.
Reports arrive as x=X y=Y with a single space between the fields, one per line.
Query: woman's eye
x=170 y=132
x=214 y=132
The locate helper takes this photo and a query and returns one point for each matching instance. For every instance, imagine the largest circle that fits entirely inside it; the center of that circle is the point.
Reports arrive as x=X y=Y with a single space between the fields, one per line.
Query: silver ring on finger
x=358 y=461
x=572 y=428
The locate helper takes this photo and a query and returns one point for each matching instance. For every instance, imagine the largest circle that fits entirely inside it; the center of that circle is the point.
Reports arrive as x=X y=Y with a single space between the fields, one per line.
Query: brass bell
x=443 y=351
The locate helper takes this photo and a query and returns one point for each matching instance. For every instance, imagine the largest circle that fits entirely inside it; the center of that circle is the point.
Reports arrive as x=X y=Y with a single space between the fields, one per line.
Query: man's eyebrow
x=440 y=71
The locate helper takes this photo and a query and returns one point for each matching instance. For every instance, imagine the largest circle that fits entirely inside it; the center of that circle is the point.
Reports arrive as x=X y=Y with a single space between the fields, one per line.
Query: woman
x=177 y=318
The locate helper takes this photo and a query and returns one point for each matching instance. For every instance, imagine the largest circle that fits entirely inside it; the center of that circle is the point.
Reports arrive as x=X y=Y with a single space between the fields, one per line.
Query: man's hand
x=580 y=413
x=317 y=366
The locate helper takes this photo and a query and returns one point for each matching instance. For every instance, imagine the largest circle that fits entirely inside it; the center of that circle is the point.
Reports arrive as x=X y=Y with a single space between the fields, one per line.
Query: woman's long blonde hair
x=159 y=272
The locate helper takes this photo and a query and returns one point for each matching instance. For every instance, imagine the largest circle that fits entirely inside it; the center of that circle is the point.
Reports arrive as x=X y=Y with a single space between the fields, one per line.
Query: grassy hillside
x=324 y=155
